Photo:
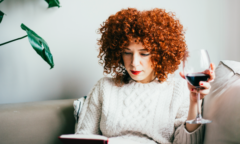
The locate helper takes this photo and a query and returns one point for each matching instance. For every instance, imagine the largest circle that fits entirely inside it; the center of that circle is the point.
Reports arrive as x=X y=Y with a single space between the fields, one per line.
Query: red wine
x=195 y=78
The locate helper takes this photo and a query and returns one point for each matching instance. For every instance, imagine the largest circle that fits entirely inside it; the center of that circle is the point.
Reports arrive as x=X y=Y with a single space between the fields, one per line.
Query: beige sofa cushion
x=222 y=105
x=36 y=122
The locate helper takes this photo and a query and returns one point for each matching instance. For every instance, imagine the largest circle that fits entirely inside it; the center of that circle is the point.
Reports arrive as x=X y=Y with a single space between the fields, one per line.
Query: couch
x=36 y=122
x=43 y=122
x=222 y=105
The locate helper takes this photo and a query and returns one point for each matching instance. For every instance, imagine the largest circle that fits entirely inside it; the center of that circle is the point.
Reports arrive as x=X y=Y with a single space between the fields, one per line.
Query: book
x=83 y=139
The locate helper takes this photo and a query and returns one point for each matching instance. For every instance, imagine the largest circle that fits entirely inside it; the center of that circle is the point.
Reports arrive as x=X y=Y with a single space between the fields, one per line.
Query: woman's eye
x=145 y=54
x=127 y=53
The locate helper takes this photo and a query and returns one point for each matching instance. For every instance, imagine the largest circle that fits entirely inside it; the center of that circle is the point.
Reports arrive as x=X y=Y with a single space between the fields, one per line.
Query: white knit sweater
x=146 y=113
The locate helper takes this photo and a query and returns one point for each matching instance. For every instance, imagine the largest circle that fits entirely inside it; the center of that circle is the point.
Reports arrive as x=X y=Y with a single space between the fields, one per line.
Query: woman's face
x=138 y=63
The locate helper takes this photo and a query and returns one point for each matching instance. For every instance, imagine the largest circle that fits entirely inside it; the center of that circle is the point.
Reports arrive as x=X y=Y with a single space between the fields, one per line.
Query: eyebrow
x=139 y=50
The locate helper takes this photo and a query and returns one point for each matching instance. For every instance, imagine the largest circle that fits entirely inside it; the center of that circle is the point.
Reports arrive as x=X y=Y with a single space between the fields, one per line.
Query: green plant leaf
x=1 y=1
x=1 y=16
x=53 y=3
x=39 y=45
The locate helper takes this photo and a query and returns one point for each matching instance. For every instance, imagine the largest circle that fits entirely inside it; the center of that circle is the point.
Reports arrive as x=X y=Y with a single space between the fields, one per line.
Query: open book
x=84 y=139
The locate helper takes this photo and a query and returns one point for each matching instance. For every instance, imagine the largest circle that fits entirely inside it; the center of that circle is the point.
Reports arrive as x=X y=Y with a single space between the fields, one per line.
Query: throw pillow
x=222 y=105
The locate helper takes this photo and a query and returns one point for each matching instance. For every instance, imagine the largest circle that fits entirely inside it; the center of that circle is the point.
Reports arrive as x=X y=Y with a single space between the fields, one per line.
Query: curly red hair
x=159 y=32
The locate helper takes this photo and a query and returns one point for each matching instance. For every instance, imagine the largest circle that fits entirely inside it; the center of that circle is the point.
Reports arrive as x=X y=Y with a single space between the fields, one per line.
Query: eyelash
x=145 y=54
x=141 y=54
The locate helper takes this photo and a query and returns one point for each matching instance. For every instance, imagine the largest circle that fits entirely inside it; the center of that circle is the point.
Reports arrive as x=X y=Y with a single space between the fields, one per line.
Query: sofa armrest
x=36 y=122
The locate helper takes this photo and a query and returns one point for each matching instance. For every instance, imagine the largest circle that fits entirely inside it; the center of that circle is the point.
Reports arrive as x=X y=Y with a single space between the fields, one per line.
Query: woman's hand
x=204 y=85
x=204 y=90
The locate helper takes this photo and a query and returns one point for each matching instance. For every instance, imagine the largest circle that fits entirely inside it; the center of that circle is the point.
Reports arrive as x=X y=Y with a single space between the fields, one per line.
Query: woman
x=141 y=103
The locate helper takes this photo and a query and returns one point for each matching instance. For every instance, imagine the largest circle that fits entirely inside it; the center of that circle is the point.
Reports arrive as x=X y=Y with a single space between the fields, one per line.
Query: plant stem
x=13 y=40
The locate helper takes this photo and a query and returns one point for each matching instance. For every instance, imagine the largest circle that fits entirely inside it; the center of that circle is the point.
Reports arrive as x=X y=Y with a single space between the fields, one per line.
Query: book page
x=121 y=141
x=78 y=136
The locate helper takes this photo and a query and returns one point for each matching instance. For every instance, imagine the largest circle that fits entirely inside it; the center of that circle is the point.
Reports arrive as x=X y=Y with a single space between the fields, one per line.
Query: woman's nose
x=135 y=60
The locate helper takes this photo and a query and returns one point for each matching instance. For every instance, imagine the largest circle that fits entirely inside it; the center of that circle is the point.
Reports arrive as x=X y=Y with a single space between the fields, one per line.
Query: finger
x=204 y=88
x=211 y=74
x=182 y=75
x=212 y=66
x=204 y=92
x=204 y=85
x=193 y=89
x=190 y=86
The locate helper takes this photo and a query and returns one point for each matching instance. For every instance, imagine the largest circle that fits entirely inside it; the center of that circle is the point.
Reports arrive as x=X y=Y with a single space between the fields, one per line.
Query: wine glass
x=193 y=68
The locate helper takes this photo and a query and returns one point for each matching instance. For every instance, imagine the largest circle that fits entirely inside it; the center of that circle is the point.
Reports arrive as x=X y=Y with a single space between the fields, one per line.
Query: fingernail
x=201 y=83
x=192 y=89
x=211 y=72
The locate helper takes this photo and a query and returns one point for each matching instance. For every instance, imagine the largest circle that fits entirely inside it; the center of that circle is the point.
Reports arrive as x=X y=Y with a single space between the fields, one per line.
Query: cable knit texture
x=148 y=113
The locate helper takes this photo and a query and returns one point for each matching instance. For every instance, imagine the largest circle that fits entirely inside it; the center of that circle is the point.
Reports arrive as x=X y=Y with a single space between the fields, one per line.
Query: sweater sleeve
x=89 y=119
x=181 y=135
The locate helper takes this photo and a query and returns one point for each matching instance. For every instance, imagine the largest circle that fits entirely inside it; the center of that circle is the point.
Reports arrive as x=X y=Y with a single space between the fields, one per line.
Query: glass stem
x=198 y=104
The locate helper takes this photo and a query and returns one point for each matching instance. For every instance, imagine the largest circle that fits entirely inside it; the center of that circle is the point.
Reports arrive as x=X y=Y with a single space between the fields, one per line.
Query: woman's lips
x=135 y=72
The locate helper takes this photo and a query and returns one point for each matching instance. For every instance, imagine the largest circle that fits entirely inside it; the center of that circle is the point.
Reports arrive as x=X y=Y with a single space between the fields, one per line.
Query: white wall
x=70 y=31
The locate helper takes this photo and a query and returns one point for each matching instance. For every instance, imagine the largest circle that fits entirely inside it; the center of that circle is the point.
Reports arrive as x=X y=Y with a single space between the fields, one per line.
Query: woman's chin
x=137 y=78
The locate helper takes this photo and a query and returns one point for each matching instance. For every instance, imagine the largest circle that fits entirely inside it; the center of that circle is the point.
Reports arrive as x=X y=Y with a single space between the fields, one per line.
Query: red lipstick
x=135 y=72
